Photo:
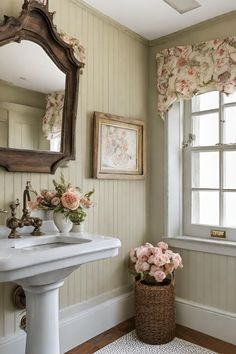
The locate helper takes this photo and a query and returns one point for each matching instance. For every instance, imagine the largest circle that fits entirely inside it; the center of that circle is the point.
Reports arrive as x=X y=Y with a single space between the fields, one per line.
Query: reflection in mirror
x=32 y=92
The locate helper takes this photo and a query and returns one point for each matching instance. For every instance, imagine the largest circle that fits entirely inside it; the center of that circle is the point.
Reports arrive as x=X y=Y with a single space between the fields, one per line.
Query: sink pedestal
x=39 y=265
x=42 y=311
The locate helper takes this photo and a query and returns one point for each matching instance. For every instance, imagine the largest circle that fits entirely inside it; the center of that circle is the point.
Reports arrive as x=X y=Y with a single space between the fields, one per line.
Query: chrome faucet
x=26 y=220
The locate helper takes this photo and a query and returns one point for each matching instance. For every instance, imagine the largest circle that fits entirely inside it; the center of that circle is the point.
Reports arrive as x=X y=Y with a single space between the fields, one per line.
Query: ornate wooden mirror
x=39 y=82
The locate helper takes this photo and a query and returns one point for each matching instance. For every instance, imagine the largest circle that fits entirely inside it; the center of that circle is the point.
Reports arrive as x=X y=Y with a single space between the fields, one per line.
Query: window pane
x=206 y=129
x=230 y=169
x=209 y=100
x=205 y=169
x=205 y=207
x=230 y=98
x=229 y=209
x=230 y=125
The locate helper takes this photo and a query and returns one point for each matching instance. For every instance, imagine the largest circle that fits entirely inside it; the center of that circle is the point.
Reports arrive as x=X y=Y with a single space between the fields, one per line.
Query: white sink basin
x=40 y=265
x=23 y=260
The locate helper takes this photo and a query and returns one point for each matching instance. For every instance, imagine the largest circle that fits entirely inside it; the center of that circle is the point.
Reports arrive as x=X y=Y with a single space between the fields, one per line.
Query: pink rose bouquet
x=154 y=264
x=65 y=199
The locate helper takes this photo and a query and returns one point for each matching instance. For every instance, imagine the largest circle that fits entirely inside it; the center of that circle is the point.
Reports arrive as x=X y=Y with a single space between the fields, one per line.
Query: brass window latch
x=218 y=233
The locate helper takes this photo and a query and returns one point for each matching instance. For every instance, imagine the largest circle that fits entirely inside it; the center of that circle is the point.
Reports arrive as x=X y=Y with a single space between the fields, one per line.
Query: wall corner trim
x=112 y=22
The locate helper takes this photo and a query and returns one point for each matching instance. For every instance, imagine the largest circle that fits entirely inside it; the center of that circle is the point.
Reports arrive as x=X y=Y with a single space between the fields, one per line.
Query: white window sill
x=223 y=247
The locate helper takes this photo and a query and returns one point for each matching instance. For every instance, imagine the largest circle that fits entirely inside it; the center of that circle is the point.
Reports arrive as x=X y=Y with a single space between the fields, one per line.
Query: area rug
x=129 y=344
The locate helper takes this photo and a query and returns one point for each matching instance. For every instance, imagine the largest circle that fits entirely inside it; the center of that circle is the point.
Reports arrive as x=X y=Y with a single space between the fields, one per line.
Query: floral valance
x=52 y=121
x=185 y=71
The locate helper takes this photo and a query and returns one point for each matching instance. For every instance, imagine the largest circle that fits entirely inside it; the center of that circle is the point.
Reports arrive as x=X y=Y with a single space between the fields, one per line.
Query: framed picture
x=118 y=147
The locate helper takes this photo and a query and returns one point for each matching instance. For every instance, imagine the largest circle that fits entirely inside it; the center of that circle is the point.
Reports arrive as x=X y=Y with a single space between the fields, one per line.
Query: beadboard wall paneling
x=205 y=278
x=115 y=80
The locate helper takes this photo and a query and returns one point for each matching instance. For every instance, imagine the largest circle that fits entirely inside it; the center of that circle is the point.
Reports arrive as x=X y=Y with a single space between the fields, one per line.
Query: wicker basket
x=154 y=312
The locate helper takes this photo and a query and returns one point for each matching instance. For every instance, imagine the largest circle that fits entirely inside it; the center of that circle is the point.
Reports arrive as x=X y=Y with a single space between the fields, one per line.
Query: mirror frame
x=35 y=24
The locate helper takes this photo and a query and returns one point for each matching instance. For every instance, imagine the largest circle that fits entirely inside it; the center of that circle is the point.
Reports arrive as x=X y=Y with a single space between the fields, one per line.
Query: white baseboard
x=209 y=320
x=14 y=343
x=82 y=321
x=85 y=323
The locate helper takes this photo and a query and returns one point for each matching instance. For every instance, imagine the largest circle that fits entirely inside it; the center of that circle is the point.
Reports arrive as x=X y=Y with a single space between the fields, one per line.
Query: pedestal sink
x=40 y=265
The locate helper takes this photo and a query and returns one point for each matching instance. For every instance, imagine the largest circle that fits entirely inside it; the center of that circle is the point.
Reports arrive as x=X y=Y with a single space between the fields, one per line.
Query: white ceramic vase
x=79 y=228
x=62 y=223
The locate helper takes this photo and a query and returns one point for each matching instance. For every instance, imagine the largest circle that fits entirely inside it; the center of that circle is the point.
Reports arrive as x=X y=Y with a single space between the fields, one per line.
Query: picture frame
x=119 y=147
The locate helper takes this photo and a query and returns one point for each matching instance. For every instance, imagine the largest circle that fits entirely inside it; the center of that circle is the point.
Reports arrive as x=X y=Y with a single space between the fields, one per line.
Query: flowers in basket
x=154 y=264
x=65 y=199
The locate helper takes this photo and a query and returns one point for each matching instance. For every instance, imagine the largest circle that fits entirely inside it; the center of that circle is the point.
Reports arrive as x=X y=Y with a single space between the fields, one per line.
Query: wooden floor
x=188 y=334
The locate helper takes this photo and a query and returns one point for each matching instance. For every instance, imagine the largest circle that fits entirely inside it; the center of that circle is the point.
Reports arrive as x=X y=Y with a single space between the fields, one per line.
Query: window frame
x=173 y=186
x=194 y=229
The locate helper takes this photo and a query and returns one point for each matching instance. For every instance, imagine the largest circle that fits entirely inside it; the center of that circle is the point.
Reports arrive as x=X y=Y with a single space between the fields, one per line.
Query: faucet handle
x=28 y=185
x=3 y=211
x=13 y=206
x=12 y=222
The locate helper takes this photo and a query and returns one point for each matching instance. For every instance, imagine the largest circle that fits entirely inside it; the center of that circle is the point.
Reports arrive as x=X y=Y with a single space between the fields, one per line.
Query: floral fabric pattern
x=185 y=71
x=52 y=121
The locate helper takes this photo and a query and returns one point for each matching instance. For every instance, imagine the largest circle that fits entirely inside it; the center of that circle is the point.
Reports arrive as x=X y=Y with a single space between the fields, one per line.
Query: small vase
x=62 y=223
x=78 y=228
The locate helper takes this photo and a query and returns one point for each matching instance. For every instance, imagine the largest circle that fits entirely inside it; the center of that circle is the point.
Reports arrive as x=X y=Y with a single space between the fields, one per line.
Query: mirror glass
x=32 y=90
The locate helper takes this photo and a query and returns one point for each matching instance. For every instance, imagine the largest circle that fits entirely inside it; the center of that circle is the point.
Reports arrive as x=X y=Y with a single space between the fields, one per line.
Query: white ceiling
x=27 y=65
x=154 y=18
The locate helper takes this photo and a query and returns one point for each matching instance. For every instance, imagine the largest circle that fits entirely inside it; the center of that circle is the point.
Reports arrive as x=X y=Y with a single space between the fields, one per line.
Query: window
x=209 y=164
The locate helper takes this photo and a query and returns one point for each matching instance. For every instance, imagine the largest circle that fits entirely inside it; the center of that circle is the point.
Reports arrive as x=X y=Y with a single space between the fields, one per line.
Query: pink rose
x=55 y=201
x=156 y=251
x=164 y=259
x=169 y=253
x=159 y=275
x=153 y=270
x=70 y=200
x=155 y=259
x=141 y=267
x=152 y=259
x=87 y=203
x=143 y=251
x=32 y=205
x=145 y=266
x=162 y=245
x=177 y=261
